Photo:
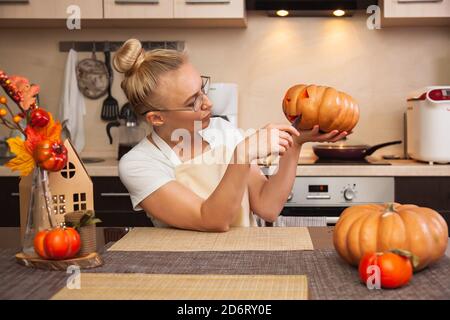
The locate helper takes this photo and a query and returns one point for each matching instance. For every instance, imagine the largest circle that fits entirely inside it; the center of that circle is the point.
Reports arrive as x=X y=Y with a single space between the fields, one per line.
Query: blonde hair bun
x=143 y=70
x=129 y=56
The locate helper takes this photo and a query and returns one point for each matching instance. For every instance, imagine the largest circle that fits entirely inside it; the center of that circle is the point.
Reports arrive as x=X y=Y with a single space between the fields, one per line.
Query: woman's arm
x=269 y=195
x=180 y=207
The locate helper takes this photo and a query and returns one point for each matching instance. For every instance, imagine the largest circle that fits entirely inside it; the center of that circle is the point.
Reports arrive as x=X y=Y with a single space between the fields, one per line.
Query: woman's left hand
x=314 y=135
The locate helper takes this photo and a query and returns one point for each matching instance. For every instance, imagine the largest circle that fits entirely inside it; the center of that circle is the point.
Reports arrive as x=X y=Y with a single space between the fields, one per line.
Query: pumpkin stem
x=389 y=207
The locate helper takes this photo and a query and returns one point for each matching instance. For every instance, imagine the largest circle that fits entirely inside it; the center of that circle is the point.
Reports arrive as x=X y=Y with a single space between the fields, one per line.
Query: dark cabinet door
x=9 y=200
x=431 y=192
x=113 y=206
x=111 y=203
x=445 y=189
x=423 y=191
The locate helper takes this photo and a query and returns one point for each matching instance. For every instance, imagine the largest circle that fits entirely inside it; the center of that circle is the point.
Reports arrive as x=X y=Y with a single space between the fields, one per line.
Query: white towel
x=72 y=106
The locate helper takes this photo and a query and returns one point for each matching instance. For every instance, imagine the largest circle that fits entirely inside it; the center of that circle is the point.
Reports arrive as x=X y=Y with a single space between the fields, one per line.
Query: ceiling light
x=282 y=13
x=339 y=13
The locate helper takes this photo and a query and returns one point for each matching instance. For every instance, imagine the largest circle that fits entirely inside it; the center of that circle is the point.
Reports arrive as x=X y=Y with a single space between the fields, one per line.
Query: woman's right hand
x=272 y=139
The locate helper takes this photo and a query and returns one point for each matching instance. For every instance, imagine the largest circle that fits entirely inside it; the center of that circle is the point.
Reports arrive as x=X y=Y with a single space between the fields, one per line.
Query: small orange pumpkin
x=320 y=105
x=58 y=243
x=50 y=155
x=372 y=228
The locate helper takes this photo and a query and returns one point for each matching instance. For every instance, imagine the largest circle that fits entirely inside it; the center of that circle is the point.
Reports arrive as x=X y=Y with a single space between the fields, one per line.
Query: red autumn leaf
x=33 y=138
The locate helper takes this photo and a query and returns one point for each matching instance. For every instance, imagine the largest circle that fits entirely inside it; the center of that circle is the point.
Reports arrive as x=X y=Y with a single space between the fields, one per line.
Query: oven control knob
x=349 y=194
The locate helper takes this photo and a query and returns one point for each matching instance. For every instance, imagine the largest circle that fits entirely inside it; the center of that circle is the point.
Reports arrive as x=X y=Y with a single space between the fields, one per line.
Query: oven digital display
x=318 y=188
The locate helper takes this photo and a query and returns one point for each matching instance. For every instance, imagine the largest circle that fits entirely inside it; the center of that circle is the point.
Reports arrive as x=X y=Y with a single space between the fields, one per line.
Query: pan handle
x=379 y=146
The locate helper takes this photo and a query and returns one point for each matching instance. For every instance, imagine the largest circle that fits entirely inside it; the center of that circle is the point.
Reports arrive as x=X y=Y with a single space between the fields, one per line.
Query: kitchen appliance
x=302 y=8
x=224 y=97
x=428 y=124
x=343 y=151
x=320 y=200
x=129 y=131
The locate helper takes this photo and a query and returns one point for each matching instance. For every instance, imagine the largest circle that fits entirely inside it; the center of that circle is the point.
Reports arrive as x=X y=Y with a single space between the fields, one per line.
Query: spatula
x=110 y=108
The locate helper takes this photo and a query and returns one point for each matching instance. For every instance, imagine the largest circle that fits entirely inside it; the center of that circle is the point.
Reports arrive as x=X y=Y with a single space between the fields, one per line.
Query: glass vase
x=40 y=213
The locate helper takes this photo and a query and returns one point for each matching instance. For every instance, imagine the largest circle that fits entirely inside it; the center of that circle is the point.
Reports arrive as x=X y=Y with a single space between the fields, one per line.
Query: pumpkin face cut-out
x=312 y=105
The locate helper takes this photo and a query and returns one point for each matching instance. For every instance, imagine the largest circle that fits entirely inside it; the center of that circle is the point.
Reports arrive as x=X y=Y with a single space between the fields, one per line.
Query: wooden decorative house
x=71 y=189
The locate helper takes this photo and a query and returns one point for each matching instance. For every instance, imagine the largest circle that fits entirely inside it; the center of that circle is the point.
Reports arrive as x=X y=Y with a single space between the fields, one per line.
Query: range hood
x=309 y=7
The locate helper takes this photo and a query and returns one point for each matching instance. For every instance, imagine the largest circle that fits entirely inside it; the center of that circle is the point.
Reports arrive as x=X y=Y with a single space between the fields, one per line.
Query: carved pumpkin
x=372 y=228
x=320 y=105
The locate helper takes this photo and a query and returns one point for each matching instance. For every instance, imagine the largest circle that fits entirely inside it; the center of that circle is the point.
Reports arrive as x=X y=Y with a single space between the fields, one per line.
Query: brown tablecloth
x=328 y=276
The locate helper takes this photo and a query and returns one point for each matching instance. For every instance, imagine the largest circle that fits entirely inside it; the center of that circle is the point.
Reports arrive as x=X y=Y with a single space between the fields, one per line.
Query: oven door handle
x=332 y=220
x=321 y=197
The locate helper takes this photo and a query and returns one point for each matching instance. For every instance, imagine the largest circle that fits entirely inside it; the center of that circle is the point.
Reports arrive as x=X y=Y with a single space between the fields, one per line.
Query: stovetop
x=368 y=161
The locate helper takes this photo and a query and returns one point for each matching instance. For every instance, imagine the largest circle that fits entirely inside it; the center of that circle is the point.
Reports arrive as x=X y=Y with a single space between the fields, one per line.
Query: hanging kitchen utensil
x=130 y=133
x=348 y=152
x=110 y=108
x=92 y=76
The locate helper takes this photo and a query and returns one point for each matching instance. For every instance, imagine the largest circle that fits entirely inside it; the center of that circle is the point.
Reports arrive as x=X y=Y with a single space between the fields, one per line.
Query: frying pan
x=92 y=77
x=348 y=152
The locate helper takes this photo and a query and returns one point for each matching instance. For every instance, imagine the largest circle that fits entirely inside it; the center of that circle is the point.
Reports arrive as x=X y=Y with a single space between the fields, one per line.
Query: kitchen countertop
x=398 y=168
x=106 y=168
x=328 y=276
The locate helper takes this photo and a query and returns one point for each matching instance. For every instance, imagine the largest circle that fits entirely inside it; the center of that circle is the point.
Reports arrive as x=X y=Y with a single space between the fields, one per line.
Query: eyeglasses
x=196 y=104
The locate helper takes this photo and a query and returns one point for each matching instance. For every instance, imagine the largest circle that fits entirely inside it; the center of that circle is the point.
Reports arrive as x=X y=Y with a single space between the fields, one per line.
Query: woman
x=167 y=181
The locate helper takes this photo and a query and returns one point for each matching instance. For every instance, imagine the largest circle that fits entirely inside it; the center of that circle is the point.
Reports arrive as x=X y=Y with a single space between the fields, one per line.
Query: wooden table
x=329 y=277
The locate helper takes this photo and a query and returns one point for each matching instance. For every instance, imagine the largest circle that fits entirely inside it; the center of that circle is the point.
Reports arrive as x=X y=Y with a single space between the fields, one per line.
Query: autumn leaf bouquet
x=38 y=150
x=41 y=145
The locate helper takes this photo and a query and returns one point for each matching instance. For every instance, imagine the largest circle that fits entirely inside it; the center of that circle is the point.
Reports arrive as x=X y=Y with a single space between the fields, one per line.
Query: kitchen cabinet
x=9 y=199
x=432 y=192
x=112 y=205
x=49 y=9
x=200 y=9
x=144 y=9
x=415 y=12
x=124 y=13
x=175 y=13
x=178 y=9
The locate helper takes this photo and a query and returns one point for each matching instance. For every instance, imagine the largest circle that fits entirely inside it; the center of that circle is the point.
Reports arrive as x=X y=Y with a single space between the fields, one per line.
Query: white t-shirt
x=145 y=168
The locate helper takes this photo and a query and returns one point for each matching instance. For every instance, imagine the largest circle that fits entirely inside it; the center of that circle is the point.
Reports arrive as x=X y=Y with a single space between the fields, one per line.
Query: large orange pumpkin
x=320 y=105
x=371 y=228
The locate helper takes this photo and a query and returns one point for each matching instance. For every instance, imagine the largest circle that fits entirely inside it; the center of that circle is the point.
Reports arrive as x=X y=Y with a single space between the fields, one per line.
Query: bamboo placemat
x=236 y=239
x=112 y=286
x=329 y=277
